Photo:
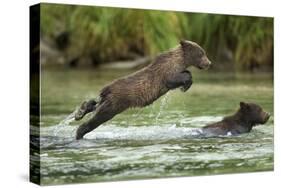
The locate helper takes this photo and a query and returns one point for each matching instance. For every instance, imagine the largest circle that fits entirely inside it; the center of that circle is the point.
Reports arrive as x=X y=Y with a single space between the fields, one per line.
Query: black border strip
x=34 y=95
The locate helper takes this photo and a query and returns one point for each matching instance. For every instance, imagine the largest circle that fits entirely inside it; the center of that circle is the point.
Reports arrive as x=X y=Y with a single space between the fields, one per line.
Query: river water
x=155 y=141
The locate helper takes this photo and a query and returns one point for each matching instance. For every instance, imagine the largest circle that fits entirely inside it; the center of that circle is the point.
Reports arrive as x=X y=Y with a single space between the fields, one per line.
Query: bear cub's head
x=253 y=113
x=194 y=55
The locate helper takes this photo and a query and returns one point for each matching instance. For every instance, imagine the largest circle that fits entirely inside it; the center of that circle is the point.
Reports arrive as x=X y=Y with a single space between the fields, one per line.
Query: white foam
x=228 y=133
x=187 y=127
x=65 y=122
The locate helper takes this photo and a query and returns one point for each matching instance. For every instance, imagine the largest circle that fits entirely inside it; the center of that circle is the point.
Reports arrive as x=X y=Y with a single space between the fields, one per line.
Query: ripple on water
x=157 y=141
x=114 y=152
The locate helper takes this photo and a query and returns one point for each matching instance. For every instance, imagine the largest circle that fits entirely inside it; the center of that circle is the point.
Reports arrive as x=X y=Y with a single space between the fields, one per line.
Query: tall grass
x=249 y=38
x=114 y=33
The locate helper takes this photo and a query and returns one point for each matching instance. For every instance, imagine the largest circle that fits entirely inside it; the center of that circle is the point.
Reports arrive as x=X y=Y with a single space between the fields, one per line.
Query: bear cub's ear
x=243 y=105
x=187 y=44
x=182 y=42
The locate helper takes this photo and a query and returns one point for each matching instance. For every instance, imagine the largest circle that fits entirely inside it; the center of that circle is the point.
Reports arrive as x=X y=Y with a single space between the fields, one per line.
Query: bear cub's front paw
x=186 y=86
x=187 y=81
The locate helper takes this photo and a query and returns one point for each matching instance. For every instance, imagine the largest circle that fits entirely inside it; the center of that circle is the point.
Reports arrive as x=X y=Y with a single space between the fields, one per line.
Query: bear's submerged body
x=248 y=116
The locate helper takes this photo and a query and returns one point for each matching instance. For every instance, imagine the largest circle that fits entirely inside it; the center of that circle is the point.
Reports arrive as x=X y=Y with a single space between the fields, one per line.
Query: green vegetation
x=111 y=34
x=249 y=38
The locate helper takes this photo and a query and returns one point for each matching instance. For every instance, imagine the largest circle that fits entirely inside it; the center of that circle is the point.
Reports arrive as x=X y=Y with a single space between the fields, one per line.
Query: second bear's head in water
x=253 y=113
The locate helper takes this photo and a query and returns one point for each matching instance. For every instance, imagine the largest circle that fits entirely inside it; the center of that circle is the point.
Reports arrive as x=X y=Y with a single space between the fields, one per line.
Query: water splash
x=162 y=104
x=64 y=123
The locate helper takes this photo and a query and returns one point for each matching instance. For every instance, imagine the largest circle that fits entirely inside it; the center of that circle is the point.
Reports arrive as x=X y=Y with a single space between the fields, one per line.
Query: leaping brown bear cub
x=168 y=71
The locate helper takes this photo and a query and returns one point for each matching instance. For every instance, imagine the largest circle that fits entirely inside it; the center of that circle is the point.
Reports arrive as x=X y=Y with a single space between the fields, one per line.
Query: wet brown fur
x=146 y=85
x=143 y=87
x=247 y=116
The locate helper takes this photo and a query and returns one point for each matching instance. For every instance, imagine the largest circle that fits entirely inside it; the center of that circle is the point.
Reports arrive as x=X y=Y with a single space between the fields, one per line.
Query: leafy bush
x=115 y=33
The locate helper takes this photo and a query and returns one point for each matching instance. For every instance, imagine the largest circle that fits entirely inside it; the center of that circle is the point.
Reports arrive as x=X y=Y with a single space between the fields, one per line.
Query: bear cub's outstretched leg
x=104 y=112
x=182 y=79
x=85 y=108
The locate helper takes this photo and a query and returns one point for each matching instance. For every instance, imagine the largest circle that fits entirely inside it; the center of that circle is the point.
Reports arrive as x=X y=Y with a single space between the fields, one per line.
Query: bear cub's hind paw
x=85 y=108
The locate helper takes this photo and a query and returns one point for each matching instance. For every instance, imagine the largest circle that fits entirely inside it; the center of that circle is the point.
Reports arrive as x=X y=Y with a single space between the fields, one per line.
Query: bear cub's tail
x=85 y=108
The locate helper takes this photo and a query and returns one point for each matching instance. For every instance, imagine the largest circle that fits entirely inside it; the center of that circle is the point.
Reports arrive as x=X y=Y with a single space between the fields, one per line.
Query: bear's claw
x=86 y=107
x=81 y=112
x=186 y=86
